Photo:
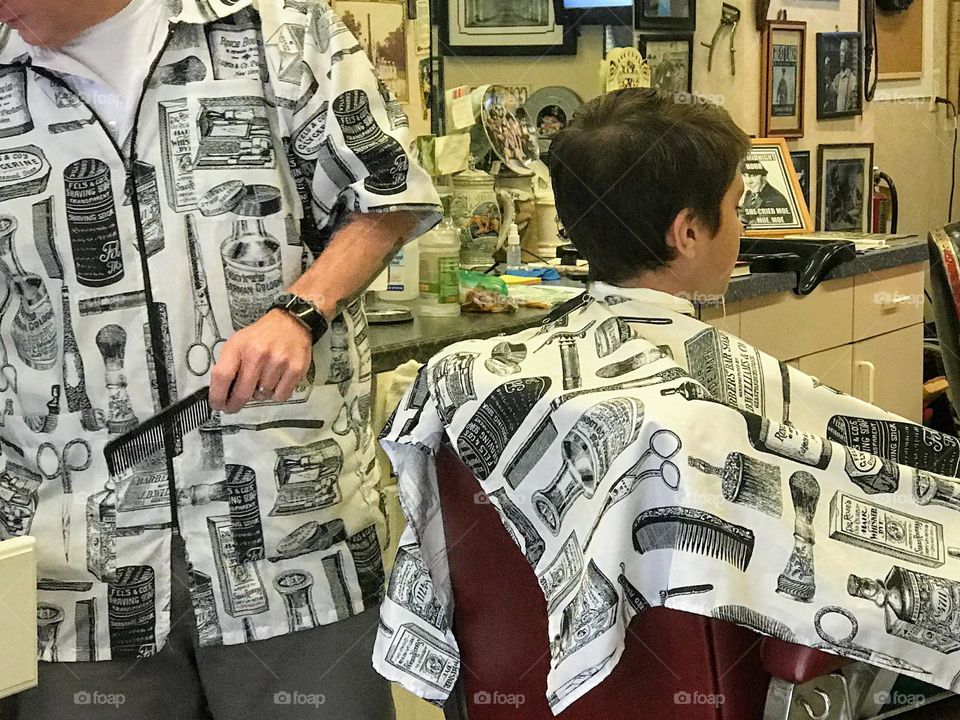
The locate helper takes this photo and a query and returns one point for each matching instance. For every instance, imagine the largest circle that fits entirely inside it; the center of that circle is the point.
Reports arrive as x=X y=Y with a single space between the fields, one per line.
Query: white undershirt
x=108 y=63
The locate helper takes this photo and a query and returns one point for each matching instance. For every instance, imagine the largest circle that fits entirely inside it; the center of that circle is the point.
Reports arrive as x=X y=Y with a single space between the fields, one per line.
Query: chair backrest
x=945 y=287
x=675 y=666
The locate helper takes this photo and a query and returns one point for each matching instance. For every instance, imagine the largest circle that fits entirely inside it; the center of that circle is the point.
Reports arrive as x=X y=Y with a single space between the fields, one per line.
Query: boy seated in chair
x=632 y=450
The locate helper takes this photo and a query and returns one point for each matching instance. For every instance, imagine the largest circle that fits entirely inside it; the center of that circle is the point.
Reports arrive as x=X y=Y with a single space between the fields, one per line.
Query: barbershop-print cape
x=638 y=456
x=123 y=271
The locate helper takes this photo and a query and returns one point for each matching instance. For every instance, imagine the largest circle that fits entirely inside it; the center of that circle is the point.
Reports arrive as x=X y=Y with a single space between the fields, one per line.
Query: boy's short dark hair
x=629 y=163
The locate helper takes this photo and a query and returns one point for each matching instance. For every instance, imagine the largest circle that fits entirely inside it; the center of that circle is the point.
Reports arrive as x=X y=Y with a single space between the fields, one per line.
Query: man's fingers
x=222 y=377
x=245 y=384
x=270 y=376
x=287 y=384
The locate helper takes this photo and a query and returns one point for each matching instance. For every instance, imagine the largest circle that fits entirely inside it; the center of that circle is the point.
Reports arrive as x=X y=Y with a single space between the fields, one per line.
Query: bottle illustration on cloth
x=239 y=490
x=15 y=117
x=295 y=588
x=92 y=223
x=596 y=440
x=241 y=587
x=131 y=612
x=34 y=329
x=49 y=619
x=101 y=514
x=917 y=607
x=776 y=438
x=251 y=257
x=899 y=442
x=19 y=497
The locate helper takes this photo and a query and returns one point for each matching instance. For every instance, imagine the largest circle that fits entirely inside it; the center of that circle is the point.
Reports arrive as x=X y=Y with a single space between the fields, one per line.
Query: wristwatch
x=304 y=311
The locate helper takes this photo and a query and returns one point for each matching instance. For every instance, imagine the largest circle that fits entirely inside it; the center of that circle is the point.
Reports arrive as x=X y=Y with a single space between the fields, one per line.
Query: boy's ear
x=683 y=234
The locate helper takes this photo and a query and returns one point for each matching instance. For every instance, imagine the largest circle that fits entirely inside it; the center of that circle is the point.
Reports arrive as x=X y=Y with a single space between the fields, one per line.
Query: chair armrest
x=797 y=663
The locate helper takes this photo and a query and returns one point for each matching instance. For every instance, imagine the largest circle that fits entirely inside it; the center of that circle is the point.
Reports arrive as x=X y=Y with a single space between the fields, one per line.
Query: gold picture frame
x=773 y=199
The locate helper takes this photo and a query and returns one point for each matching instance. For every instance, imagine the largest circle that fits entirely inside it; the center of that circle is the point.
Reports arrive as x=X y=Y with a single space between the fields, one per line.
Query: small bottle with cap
x=513 y=248
x=251 y=256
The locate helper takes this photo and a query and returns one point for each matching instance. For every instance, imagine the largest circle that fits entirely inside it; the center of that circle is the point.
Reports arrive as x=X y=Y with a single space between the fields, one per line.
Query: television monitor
x=597 y=12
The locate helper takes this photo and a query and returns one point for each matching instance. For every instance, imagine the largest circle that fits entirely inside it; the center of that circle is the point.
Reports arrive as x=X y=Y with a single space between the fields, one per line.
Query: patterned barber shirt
x=260 y=128
x=639 y=457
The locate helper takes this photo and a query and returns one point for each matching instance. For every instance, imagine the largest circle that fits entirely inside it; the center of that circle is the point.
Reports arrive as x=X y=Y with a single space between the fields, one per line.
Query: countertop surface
x=393 y=345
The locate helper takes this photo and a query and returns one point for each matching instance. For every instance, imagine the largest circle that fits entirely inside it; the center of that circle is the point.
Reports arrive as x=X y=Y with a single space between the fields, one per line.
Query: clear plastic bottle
x=514 y=261
x=403 y=281
x=440 y=268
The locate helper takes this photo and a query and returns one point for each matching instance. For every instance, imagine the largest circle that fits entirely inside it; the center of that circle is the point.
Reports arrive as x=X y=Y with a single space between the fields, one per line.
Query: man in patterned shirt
x=195 y=193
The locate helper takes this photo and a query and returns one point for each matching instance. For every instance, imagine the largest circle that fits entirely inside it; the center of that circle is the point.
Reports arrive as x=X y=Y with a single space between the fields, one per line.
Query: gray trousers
x=324 y=673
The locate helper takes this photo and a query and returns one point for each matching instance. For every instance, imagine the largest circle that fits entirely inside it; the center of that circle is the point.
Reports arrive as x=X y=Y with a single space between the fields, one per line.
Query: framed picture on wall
x=503 y=27
x=781 y=79
x=381 y=29
x=670 y=58
x=839 y=74
x=772 y=202
x=801 y=164
x=680 y=15
x=845 y=187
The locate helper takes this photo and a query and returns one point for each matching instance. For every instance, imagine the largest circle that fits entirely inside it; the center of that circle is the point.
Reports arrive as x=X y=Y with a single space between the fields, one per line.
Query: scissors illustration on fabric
x=846 y=646
x=8 y=373
x=664 y=444
x=200 y=355
x=75 y=457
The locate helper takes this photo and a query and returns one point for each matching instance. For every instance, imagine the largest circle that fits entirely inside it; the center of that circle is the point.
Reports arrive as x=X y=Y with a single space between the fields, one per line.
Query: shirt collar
x=14 y=50
x=680 y=305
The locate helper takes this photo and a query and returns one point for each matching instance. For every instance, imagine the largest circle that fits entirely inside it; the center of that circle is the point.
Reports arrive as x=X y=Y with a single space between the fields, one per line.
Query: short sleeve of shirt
x=349 y=140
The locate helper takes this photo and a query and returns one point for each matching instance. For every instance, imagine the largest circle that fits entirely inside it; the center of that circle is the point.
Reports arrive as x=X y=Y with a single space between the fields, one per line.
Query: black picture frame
x=859 y=155
x=643 y=45
x=839 y=75
x=801 y=163
x=647 y=15
x=448 y=12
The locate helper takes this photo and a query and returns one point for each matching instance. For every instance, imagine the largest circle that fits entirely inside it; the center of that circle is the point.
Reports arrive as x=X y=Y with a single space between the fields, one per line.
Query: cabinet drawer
x=727 y=320
x=888 y=372
x=887 y=300
x=790 y=326
x=831 y=367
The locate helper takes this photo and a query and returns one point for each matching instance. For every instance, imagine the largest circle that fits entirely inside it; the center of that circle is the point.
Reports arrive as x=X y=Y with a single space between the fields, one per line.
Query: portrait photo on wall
x=503 y=27
x=781 y=79
x=844 y=181
x=772 y=202
x=678 y=15
x=381 y=29
x=671 y=60
x=801 y=164
x=839 y=74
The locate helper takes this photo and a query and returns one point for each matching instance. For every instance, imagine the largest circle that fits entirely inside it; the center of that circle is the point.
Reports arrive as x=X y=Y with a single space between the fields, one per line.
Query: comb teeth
x=147 y=439
x=693 y=531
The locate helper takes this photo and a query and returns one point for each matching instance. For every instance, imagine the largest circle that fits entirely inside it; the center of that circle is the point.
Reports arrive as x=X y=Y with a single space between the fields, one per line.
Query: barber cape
x=638 y=456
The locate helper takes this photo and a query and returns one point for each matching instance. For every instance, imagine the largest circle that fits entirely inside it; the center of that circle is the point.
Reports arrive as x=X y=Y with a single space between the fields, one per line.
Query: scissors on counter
x=201 y=355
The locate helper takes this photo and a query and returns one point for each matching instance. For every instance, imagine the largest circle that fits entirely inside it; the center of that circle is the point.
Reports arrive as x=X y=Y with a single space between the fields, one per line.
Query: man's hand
x=263 y=361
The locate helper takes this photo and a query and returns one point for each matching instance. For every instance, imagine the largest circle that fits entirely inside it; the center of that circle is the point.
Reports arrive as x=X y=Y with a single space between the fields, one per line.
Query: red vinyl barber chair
x=676 y=665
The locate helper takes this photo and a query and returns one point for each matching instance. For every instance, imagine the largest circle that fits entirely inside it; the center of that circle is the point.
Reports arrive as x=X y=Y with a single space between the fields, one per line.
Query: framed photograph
x=845 y=187
x=503 y=27
x=670 y=58
x=772 y=201
x=680 y=15
x=801 y=164
x=381 y=29
x=781 y=79
x=839 y=74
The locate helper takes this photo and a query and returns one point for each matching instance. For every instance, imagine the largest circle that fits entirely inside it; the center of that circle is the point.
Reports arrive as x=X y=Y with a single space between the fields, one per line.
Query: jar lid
x=259 y=201
x=221 y=199
x=473 y=177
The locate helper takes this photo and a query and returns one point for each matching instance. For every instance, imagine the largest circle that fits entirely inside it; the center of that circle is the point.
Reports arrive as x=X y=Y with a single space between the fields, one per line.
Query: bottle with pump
x=440 y=268
x=513 y=248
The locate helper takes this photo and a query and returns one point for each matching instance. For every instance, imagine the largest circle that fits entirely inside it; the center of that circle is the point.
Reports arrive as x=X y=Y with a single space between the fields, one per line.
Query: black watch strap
x=304 y=311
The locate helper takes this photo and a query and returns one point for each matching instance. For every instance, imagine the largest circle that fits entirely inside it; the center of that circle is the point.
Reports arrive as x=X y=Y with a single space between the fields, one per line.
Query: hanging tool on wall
x=729 y=17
